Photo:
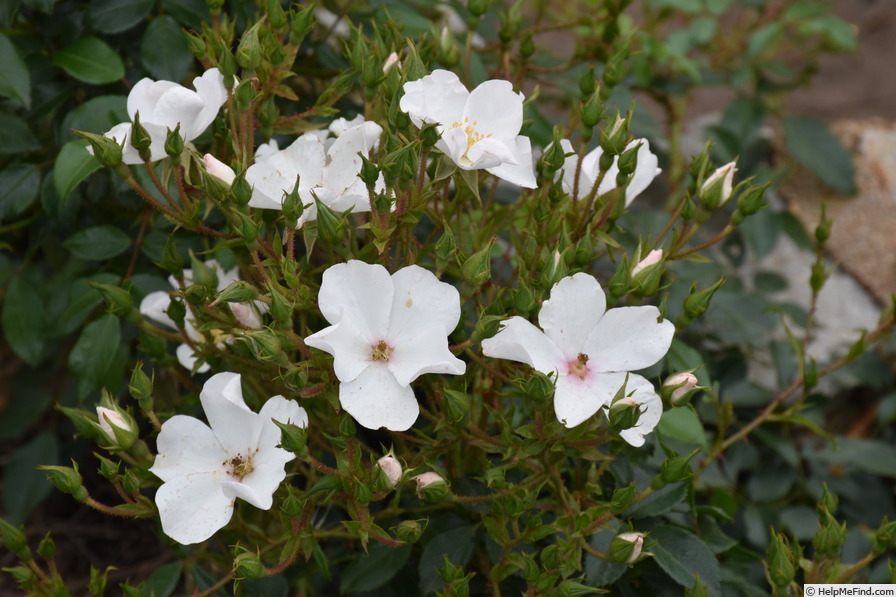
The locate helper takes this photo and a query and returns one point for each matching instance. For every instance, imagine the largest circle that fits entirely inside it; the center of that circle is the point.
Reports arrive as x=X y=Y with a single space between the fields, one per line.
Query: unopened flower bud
x=67 y=480
x=219 y=169
x=829 y=536
x=678 y=388
x=174 y=143
x=449 y=52
x=614 y=138
x=293 y=438
x=408 y=530
x=780 y=561
x=248 y=54
x=140 y=139
x=478 y=7
x=432 y=486
x=391 y=61
x=624 y=413
x=301 y=23
x=14 y=539
x=626 y=548
x=247 y=315
x=118 y=300
x=697 y=301
x=716 y=190
x=106 y=151
x=476 y=269
x=646 y=274
x=118 y=427
x=622 y=498
x=592 y=111
x=247 y=566
x=620 y=283
x=457 y=405
x=752 y=200
x=677 y=468
x=885 y=537
x=390 y=468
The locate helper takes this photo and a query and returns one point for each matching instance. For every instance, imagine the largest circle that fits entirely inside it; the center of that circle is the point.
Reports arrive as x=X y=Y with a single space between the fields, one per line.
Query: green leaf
x=23 y=320
x=870 y=455
x=189 y=13
x=73 y=164
x=268 y=586
x=94 y=355
x=96 y=115
x=682 y=357
x=31 y=485
x=456 y=544
x=659 y=502
x=164 y=50
x=82 y=299
x=98 y=243
x=811 y=142
x=683 y=556
x=683 y=424
x=598 y=572
x=27 y=403
x=115 y=16
x=21 y=184
x=763 y=38
x=90 y=60
x=163 y=581
x=15 y=135
x=15 y=82
x=371 y=571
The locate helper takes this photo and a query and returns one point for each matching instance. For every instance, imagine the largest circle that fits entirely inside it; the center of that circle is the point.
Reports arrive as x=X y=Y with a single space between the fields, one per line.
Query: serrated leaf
x=15 y=81
x=90 y=60
x=31 y=485
x=683 y=556
x=23 y=320
x=21 y=184
x=371 y=571
x=811 y=142
x=15 y=135
x=73 y=164
x=164 y=50
x=98 y=243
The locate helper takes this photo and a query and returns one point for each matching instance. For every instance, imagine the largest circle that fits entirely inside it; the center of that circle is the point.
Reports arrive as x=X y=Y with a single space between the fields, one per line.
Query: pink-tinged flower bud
x=391 y=61
x=392 y=469
x=219 y=169
x=626 y=547
x=652 y=258
x=717 y=189
x=116 y=426
x=431 y=486
x=246 y=315
x=679 y=387
x=428 y=479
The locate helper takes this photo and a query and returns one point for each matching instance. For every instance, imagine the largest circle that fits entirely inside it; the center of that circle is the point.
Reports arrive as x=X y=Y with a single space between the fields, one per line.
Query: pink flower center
x=380 y=351
x=579 y=366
